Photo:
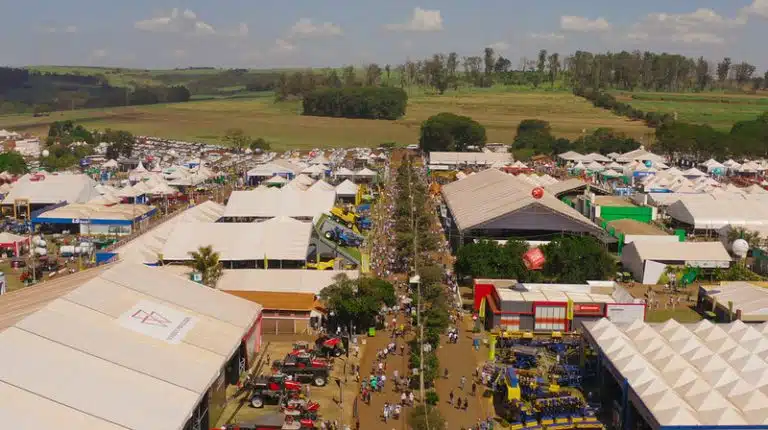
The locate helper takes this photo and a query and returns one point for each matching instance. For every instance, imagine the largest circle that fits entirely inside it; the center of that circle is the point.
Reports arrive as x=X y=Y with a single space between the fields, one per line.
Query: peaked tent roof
x=491 y=194
x=365 y=173
x=346 y=188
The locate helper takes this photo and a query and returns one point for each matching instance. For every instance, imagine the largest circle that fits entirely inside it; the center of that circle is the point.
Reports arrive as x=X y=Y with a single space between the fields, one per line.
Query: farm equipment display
x=322 y=262
x=344 y=238
x=329 y=346
x=350 y=219
x=303 y=367
x=272 y=389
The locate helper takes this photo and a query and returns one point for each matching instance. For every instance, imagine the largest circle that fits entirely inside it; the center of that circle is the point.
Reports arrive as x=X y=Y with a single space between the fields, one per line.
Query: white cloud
x=758 y=7
x=305 y=28
x=184 y=23
x=580 y=23
x=421 y=20
x=499 y=46
x=702 y=27
x=283 y=46
x=98 y=53
x=547 y=36
x=242 y=30
x=54 y=29
x=179 y=53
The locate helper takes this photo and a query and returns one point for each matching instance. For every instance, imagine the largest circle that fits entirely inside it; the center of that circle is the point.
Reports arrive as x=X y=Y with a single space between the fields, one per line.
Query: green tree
x=425 y=417
x=237 y=139
x=13 y=162
x=206 y=262
x=259 y=145
x=534 y=135
x=357 y=301
x=450 y=132
x=576 y=260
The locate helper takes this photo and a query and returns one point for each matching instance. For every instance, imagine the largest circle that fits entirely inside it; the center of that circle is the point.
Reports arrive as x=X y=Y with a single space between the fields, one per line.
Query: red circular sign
x=537 y=193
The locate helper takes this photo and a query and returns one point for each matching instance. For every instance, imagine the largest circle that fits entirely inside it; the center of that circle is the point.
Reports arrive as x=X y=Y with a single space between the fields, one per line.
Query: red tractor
x=329 y=346
x=304 y=367
x=273 y=389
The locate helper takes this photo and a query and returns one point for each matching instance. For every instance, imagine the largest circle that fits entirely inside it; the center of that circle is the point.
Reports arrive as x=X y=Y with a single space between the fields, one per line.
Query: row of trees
x=365 y=102
x=680 y=140
x=569 y=259
x=22 y=91
x=659 y=72
x=449 y=132
x=607 y=101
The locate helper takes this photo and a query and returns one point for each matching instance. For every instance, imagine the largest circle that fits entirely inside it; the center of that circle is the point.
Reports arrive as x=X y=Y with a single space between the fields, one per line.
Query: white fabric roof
x=54 y=188
x=571 y=156
x=346 y=188
x=482 y=158
x=145 y=248
x=321 y=185
x=680 y=251
x=694 y=172
x=276 y=180
x=82 y=362
x=277 y=239
x=280 y=280
x=290 y=202
x=343 y=171
x=276 y=167
x=366 y=173
x=712 y=213
x=594 y=156
x=693 y=374
x=750 y=299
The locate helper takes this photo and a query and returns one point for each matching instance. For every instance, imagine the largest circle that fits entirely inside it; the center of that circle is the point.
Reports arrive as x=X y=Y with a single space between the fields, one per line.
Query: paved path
x=461 y=360
x=371 y=415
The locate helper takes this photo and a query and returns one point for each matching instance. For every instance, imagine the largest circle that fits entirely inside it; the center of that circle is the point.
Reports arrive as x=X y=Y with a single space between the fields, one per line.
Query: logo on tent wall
x=158 y=321
x=151 y=318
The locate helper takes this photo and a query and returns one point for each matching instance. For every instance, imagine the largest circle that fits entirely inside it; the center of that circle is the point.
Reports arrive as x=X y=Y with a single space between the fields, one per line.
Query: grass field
x=282 y=124
x=716 y=109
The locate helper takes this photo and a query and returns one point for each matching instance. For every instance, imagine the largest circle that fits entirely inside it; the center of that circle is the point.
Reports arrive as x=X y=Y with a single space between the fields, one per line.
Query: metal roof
x=87 y=357
x=701 y=374
x=277 y=239
x=490 y=194
x=750 y=299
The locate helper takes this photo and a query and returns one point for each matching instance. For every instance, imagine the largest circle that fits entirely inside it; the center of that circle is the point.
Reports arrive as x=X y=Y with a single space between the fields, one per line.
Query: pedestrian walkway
x=371 y=415
x=461 y=360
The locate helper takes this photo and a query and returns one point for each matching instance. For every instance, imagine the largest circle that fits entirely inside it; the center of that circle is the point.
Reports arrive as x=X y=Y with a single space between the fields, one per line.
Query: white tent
x=365 y=173
x=320 y=159
x=579 y=166
x=570 y=156
x=110 y=164
x=693 y=173
x=343 y=172
x=346 y=189
x=594 y=156
x=595 y=166
x=321 y=185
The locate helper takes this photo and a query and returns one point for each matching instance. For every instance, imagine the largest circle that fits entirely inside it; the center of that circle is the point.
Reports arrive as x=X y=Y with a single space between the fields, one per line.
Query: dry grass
x=283 y=125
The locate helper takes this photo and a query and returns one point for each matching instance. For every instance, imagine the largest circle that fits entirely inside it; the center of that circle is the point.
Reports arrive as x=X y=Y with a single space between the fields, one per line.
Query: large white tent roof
x=147 y=247
x=690 y=375
x=289 y=202
x=47 y=188
x=79 y=357
x=277 y=239
x=711 y=212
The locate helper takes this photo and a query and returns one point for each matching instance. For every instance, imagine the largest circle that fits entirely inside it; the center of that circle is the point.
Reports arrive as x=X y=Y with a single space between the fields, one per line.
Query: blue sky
x=295 y=33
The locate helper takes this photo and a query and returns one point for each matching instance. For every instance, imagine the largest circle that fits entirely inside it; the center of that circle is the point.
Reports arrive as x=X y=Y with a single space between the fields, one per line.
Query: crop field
x=282 y=124
x=716 y=109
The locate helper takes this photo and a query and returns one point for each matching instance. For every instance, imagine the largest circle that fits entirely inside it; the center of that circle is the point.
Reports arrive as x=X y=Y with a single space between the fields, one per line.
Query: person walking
x=462 y=382
x=450 y=398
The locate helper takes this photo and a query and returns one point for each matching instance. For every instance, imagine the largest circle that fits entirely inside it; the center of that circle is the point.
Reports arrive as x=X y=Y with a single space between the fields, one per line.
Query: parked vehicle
x=304 y=368
x=271 y=389
x=344 y=238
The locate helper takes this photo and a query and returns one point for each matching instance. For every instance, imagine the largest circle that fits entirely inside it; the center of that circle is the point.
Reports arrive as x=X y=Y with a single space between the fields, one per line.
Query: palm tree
x=206 y=261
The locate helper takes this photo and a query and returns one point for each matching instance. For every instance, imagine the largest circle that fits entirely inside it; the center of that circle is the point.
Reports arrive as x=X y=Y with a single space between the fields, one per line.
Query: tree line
x=365 y=102
x=624 y=70
x=568 y=260
x=450 y=132
x=22 y=91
